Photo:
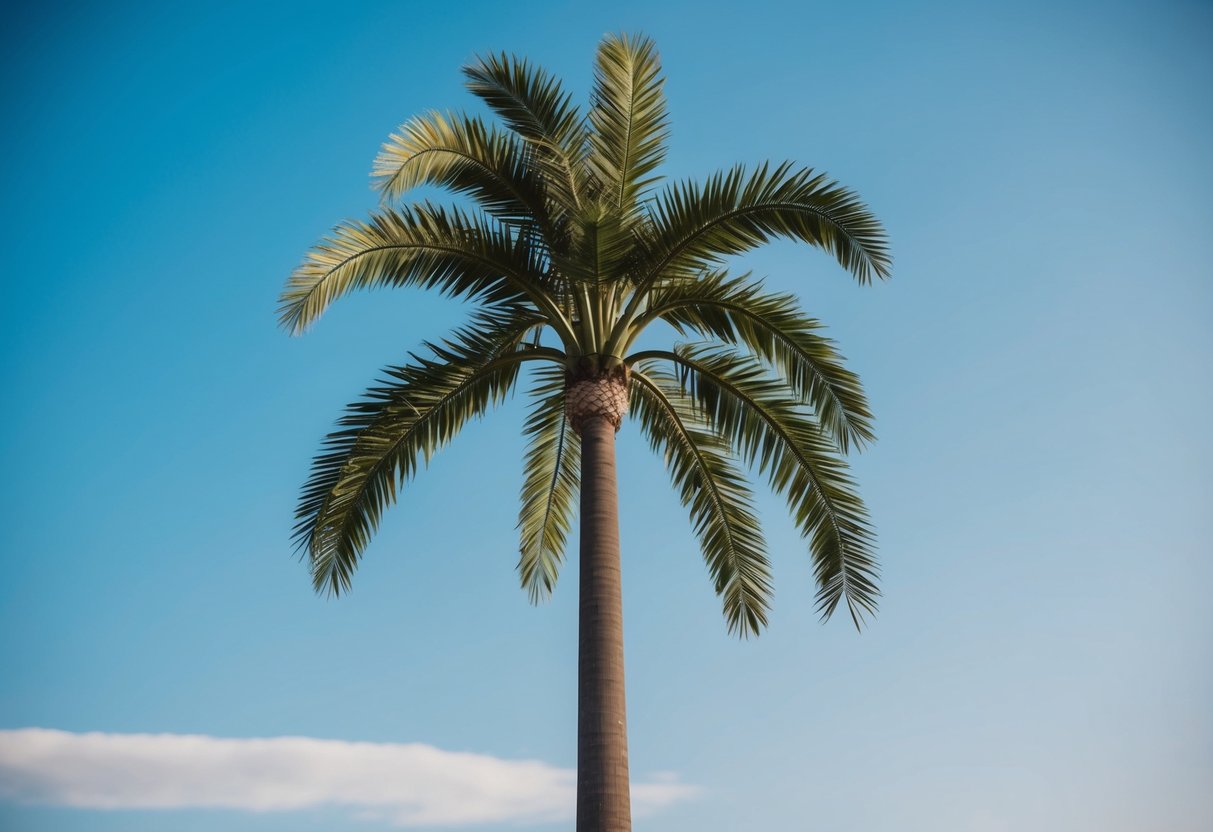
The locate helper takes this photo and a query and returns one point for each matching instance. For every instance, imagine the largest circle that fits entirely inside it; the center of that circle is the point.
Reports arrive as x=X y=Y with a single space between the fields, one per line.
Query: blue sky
x=1039 y=367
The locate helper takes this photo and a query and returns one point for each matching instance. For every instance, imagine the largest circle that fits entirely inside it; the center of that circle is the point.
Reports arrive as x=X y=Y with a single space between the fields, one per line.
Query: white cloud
x=406 y=784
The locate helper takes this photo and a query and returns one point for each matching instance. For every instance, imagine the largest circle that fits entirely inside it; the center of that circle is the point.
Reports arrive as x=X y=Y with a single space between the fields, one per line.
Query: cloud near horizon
x=406 y=784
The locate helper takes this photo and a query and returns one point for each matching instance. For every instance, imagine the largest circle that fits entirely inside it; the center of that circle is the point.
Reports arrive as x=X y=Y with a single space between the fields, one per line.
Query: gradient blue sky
x=1039 y=366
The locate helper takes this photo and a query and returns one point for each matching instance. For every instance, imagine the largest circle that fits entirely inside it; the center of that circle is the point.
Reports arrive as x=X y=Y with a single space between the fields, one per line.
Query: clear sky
x=1039 y=366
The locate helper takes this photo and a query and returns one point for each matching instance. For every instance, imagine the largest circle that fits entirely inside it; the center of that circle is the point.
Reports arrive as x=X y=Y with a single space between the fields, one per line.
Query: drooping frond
x=424 y=246
x=696 y=226
x=384 y=437
x=711 y=486
x=551 y=484
x=462 y=154
x=533 y=104
x=773 y=327
x=628 y=114
x=768 y=428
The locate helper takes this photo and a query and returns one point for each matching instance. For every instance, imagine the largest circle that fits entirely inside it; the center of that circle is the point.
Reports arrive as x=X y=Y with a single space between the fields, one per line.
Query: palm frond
x=462 y=154
x=601 y=251
x=769 y=429
x=402 y=422
x=773 y=327
x=696 y=226
x=533 y=104
x=711 y=486
x=432 y=248
x=551 y=484
x=628 y=115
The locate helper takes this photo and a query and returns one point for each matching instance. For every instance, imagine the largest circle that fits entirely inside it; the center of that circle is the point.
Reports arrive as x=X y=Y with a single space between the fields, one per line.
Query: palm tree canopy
x=570 y=245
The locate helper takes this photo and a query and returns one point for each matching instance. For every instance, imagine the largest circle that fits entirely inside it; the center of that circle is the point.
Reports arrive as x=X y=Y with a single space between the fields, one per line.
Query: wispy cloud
x=405 y=784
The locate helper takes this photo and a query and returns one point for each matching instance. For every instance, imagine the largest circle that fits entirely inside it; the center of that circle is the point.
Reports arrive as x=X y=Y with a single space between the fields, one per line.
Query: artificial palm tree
x=569 y=250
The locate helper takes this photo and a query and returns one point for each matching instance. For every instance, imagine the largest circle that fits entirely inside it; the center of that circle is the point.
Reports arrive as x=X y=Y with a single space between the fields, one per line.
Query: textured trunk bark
x=604 y=801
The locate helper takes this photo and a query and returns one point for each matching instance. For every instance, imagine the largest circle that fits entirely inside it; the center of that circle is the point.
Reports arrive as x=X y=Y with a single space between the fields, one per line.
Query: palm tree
x=569 y=252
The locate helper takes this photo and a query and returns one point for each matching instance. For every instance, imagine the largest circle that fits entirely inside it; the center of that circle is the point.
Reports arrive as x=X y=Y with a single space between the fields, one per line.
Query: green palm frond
x=628 y=114
x=533 y=104
x=432 y=248
x=464 y=155
x=601 y=253
x=768 y=428
x=383 y=438
x=551 y=483
x=711 y=486
x=773 y=327
x=696 y=226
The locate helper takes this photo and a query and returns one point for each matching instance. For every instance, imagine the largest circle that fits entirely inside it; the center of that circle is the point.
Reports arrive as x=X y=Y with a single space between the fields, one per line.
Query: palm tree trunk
x=603 y=796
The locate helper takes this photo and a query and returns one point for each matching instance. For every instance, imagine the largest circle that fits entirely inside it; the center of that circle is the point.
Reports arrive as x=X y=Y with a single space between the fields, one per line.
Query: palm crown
x=570 y=247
